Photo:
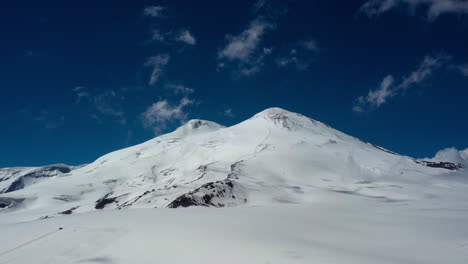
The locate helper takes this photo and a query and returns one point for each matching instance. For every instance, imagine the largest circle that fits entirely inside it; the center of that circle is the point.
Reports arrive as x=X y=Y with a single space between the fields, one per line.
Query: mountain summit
x=275 y=157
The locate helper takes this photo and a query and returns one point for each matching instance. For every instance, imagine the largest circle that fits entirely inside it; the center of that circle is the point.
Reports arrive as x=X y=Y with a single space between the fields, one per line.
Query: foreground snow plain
x=293 y=190
x=341 y=231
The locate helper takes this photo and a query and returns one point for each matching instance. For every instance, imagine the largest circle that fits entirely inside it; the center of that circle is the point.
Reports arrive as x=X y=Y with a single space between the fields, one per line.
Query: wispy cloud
x=242 y=46
x=292 y=59
x=246 y=52
x=432 y=8
x=30 y=53
x=180 y=89
x=258 y=5
x=157 y=63
x=182 y=36
x=159 y=114
x=153 y=11
x=301 y=56
x=107 y=103
x=310 y=45
x=270 y=8
x=390 y=88
x=186 y=37
x=376 y=98
x=78 y=88
x=50 y=120
x=80 y=93
x=229 y=113
x=255 y=64
x=244 y=49
x=157 y=35
x=425 y=69
x=463 y=69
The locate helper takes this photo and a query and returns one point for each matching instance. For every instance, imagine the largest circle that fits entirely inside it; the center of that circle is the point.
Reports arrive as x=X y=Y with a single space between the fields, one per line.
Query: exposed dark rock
x=101 y=203
x=64 y=198
x=69 y=211
x=441 y=165
x=383 y=149
x=207 y=198
x=212 y=194
x=184 y=201
x=9 y=202
x=235 y=170
x=18 y=184
x=281 y=120
x=196 y=124
x=132 y=201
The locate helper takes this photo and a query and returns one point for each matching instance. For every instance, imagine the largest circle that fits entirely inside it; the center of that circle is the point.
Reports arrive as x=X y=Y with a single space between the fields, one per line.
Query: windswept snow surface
x=293 y=190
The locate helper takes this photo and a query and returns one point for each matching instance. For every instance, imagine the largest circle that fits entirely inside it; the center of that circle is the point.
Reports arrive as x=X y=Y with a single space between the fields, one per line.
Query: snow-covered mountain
x=293 y=190
x=275 y=157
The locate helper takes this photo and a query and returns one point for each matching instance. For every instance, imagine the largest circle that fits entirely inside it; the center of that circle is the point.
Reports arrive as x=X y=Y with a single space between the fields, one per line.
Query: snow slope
x=339 y=231
x=303 y=192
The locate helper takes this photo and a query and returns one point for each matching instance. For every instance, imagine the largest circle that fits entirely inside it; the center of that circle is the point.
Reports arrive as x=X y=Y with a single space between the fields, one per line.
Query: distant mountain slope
x=274 y=157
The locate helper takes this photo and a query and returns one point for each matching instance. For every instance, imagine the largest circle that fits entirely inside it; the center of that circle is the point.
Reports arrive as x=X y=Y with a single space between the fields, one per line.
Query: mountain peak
x=274 y=111
x=199 y=125
x=284 y=118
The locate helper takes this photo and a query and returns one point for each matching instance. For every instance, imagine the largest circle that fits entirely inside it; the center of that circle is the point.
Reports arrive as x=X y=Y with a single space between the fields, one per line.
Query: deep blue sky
x=74 y=85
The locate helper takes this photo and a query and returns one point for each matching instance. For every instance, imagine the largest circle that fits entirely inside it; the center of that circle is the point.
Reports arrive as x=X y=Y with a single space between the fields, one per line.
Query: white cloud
x=452 y=155
x=244 y=49
x=30 y=53
x=377 y=7
x=153 y=11
x=49 y=120
x=180 y=89
x=301 y=56
x=255 y=64
x=388 y=88
x=292 y=59
x=270 y=8
x=377 y=97
x=186 y=37
x=107 y=103
x=158 y=36
x=78 y=88
x=463 y=70
x=310 y=45
x=259 y=5
x=162 y=112
x=229 y=113
x=432 y=8
x=242 y=46
x=157 y=63
x=426 y=69
x=80 y=93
